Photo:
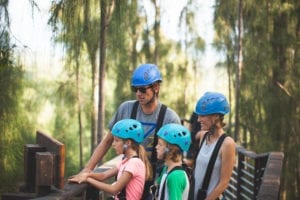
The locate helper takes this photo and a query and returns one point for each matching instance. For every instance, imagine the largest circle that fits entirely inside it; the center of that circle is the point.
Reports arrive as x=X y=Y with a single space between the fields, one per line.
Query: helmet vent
x=146 y=76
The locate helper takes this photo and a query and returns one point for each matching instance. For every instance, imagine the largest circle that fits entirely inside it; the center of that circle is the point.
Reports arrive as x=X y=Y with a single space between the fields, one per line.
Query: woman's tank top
x=201 y=165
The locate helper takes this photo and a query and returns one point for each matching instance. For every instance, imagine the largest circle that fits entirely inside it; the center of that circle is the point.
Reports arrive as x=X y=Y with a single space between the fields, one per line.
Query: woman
x=173 y=141
x=134 y=168
x=211 y=108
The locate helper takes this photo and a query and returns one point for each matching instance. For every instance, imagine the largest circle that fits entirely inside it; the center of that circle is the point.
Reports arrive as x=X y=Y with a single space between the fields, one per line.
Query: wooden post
x=30 y=167
x=240 y=166
x=270 y=187
x=44 y=172
x=259 y=167
x=54 y=146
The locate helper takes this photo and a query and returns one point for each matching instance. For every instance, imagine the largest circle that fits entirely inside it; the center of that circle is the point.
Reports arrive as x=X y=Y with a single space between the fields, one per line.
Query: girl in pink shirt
x=134 y=168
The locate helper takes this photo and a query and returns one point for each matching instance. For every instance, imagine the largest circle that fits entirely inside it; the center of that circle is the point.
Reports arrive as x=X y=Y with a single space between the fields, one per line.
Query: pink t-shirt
x=135 y=187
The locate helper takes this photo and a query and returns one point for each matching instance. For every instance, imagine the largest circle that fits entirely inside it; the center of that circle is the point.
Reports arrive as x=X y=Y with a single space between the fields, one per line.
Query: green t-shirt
x=177 y=185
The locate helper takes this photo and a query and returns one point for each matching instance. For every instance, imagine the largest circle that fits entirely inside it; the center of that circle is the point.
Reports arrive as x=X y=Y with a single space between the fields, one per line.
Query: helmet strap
x=166 y=151
x=152 y=99
x=211 y=131
x=125 y=147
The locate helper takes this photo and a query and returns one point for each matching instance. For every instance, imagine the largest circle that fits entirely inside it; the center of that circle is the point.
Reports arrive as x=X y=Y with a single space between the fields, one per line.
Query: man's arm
x=99 y=152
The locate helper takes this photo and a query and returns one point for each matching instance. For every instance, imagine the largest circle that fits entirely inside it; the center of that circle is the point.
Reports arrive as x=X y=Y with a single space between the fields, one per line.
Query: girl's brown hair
x=174 y=153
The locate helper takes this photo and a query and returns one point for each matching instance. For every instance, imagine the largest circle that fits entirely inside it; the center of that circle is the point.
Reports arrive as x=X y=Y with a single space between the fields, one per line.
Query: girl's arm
x=98 y=176
x=103 y=175
x=114 y=188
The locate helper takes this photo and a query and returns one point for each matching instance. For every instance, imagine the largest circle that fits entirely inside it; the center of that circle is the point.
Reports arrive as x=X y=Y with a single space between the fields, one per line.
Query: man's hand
x=79 y=178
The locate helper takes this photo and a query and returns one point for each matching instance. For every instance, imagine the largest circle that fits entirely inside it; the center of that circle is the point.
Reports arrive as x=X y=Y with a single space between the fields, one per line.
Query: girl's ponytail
x=144 y=157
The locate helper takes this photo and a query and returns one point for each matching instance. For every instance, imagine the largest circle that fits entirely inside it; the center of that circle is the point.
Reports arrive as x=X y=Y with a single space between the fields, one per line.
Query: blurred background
x=58 y=63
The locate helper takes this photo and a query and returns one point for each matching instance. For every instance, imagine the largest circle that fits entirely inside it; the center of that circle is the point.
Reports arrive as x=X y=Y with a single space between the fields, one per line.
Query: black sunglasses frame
x=141 y=89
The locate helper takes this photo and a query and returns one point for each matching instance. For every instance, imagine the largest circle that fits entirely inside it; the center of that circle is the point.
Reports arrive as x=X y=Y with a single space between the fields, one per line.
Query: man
x=145 y=82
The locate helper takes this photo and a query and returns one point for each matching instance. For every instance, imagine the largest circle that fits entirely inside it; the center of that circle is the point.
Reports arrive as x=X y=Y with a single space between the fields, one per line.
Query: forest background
x=103 y=41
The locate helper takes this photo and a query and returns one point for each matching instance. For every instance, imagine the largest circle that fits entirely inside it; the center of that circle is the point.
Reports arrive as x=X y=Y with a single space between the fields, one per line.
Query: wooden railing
x=255 y=176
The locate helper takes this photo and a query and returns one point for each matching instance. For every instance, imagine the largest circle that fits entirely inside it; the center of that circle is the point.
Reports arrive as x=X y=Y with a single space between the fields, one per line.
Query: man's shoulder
x=172 y=116
x=127 y=104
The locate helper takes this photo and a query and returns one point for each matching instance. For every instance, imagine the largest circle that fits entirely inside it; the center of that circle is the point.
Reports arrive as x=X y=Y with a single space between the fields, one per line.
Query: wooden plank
x=70 y=191
x=17 y=196
x=270 y=187
x=54 y=146
x=30 y=167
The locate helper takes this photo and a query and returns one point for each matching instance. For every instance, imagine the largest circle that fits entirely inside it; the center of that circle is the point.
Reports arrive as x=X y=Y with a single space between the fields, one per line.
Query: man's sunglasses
x=141 y=89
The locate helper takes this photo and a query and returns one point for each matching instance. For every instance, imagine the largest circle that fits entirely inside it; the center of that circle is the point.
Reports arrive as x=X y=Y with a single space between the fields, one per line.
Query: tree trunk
x=106 y=11
x=101 y=110
x=156 y=32
x=94 y=110
x=91 y=39
x=79 y=109
x=238 y=71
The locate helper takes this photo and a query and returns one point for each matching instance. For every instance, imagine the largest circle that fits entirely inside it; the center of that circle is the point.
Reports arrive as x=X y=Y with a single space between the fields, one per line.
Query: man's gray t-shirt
x=148 y=121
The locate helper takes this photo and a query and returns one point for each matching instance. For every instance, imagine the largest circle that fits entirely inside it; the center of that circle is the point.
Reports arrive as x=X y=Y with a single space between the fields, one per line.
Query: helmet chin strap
x=166 y=151
x=152 y=99
x=125 y=147
x=212 y=129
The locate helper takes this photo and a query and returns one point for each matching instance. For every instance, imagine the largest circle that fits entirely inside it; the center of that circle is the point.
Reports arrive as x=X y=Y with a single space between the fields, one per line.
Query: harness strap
x=159 y=123
x=134 y=110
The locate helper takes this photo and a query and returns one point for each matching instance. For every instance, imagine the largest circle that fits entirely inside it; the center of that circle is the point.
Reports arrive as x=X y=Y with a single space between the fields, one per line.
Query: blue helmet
x=176 y=134
x=212 y=103
x=145 y=74
x=129 y=129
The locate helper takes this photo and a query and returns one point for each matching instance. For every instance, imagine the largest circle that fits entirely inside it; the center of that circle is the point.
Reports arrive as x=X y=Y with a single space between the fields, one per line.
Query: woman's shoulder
x=228 y=145
x=229 y=141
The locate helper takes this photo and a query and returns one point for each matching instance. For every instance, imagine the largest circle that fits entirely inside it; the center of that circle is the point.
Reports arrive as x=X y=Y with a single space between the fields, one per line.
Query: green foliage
x=269 y=108
x=15 y=128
